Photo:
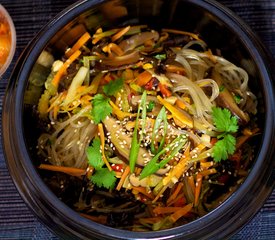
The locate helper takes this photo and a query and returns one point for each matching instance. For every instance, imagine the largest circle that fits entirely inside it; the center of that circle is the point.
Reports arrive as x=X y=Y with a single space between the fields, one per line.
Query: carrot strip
x=120 y=114
x=120 y=33
x=178 y=202
x=123 y=177
x=181 y=212
x=175 y=193
x=68 y=170
x=198 y=189
x=99 y=219
x=64 y=67
x=175 y=112
x=112 y=47
x=143 y=78
x=81 y=41
x=102 y=140
x=143 y=191
x=180 y=104
x=208 y=172
x=164 y=90
x=191 y=182
x=175 y=69
x=165 y=210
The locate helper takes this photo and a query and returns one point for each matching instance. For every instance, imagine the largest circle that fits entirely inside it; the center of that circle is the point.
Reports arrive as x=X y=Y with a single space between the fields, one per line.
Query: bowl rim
x=13 y=40
x=49 y=200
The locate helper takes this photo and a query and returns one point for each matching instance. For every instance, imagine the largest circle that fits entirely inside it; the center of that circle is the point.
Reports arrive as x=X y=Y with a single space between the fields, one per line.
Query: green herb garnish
x=135 y=144
x=101 y=108
x=225 y=124
x=237 y=99
x=171 y=149
x=102 y=176
x=161 y=118
x=113 y=87
x=150 y=106
x=160 y=56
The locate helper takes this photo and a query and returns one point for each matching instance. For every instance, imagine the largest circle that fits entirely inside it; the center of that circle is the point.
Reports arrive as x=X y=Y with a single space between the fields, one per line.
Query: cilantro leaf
x=113 y=87
x=160 y=56
x=224 y=121
x=104 y=178
x=94 y=155
x=101 y=108
x=223 y=148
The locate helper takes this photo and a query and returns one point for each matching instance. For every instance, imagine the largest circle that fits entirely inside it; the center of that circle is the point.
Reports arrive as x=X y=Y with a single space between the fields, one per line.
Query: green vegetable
x=94 y=155
x=160 y=118
x=150 y=106
x=113 y=87
x=160 y=56
x=102 y=176
x=225 y=124
x=172 y=149
x=101 y=108
x=237 y=99
x=135 y=144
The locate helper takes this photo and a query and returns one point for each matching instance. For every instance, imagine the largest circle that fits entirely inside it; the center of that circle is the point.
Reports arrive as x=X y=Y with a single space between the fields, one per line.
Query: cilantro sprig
x=226 y=124
x=102 y=176
x=111 y=88
x=101 y=108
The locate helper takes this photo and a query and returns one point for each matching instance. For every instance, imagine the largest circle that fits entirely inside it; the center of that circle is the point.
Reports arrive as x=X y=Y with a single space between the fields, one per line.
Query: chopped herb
x=135 y=144
x=160 y=118
x=101 y=108
x=221 y=88
x=150 y=106
x=94 y=155
x=113 y=87
x=160 y=56
x=104 y=178
x=225 y=124
x=171 y=149
x=237 y=99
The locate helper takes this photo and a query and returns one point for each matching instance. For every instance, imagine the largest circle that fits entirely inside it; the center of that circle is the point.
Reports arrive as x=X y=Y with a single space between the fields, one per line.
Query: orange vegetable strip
x=198 y=189
x=175 y=69
x=120 y=114
x=164 y=90
x=193 y=35
x=112 y=47
x=181 y=212
x=165 y=210
x=208 y=172
x=64 y=67
x=143 y=191
x=123 y=177
x=180 y=104
x=191 y=182
x=81 y=41
x=174 y=201
x=242 y=139
x=175 y=193
x=160 y=193
x=68 y=170
x=143 y=78
x=99 y=219
x=120 y=33
x=175 y=112
x=102 y=140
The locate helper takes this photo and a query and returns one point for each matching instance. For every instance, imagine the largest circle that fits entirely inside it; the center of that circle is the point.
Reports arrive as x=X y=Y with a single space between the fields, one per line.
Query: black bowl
x=221 y=29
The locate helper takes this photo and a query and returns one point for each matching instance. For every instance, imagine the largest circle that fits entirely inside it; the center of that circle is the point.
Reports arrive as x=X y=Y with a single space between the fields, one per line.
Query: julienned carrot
x=68 y=170
x=143 y=78
x=143 y=191
x=179 y=201
x=180 y=213
x=64 y=67
x=120 y=114
x=112 y=47
x=99 y=219
x=120 y=33
x=191 y=183
x=123 y=177
x=102 y=141
x=81 y=41
x=198 y=189
x=165 y=210
x=176 y=113
x=164 y=90
x=175 y=193
x=175 y=69
x=208 y=172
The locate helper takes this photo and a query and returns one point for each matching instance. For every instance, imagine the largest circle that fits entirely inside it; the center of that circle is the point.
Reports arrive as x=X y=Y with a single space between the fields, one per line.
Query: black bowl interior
x=221 y=30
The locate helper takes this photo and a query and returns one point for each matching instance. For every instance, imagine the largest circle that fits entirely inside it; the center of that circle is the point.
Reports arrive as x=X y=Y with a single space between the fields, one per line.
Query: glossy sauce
x=5 y=39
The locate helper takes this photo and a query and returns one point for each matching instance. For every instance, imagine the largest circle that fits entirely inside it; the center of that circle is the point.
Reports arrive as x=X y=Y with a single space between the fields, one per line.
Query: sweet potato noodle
x=142 y=129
